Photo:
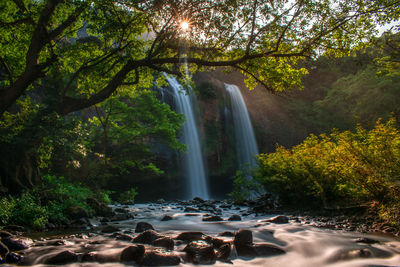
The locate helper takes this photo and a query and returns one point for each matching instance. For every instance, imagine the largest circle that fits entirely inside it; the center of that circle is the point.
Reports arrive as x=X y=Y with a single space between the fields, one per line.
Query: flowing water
x=246 y=144
x=193 y=159
x=304 y=245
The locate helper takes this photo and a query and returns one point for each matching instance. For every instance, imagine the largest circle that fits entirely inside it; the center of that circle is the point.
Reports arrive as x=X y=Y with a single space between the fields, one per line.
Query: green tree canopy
x=93 y=48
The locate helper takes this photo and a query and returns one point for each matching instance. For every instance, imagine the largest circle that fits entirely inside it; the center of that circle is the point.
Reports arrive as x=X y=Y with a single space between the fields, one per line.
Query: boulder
x=366 y=240
x=16 y=244
x=124 y=237
x=213 y=218
x=190 y=236
x=77 y=213
x=143 y=226
x=154 y=258
x=132 y=253
x=235 y=217
x=13 y=258
x=165 y=242
x=224 y=252
x=99 y=208
x=3 y=249
x=227 y=234
x=198 y=199
x=63 y=257
x=166 y=218
x=243 y=237
x=280 y=219
x=147 y=237
x=244 y=243
x=199 y=252
x=191 y=209
x=4 y=234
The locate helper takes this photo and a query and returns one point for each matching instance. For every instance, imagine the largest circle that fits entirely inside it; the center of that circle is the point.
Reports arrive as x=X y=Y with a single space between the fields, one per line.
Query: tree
x=96 y=47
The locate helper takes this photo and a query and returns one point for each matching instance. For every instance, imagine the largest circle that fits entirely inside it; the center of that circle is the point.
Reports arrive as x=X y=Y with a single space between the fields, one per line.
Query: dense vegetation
x=341 y=169
x=76 y=78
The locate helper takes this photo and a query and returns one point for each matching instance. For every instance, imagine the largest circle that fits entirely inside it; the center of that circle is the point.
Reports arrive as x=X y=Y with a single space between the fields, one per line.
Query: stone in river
x=133 y=253
x=165 y=242
x=13 y=258
x=3 y=249
x=227 y=233
x=280 y=219
x=214 y=218
x=143 y=226
x=166 y=218
x=154 y=258
x=16 y=244
x=235 y=217
x=199 y=252
x=191 y=209
x=243 y=237
x=63 y=257
x=224 y=252
x=147 y=237
x=190 y=236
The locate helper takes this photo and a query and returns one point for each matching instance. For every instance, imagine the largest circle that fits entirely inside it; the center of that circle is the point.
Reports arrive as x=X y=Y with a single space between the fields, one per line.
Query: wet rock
x=166 y=218
x=191 y=209
x=198 y=199
x=16 y=244
x=280 y=219
x=244 y=243
x=154 y=258
x=121 y=210
x=147 y=237
x=199 y=252
x=366 y=240
x=192 y=214
x=235 y=217
x=143 y=226
x=165 y=242
x=63 y=257
x=57 y=242
x=267 y=250
x=224 y=252
x=124 y=237
x=99 y=208
x=225 y=206
x=4 y=234
x=2 y=261
x=214 y=218
x=13 y=258
x=3 y=249
x=216 y=242
x=243 y=237
x=110 y=229
x=227 y=233
x=132 y=253
x=190 y=236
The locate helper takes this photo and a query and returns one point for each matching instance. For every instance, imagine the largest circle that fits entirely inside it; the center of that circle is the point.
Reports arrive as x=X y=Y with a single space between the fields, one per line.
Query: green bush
x=340 y=169
x=128 y=197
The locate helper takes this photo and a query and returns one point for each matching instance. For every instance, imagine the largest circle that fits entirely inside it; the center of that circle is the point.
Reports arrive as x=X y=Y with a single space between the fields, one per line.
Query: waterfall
x=193 y=159
x=246 y=144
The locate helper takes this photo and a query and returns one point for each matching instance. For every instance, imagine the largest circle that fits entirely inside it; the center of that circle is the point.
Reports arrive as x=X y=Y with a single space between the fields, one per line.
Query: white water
x=246 y=144
x=193 y=160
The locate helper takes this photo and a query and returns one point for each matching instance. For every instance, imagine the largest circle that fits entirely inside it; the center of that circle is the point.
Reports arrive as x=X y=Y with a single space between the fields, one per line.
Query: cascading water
x=246 y=144
x=193 y=161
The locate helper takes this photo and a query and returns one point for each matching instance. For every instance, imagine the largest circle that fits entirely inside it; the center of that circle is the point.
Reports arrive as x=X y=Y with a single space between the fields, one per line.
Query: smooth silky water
x=193 y=159
x=305 y=245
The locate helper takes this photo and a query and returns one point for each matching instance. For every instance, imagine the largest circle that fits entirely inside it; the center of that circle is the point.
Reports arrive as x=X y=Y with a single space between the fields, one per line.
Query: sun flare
x=184 y=25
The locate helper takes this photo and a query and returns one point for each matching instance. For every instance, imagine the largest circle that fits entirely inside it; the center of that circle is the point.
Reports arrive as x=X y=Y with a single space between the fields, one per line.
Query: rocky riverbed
x=204 y=233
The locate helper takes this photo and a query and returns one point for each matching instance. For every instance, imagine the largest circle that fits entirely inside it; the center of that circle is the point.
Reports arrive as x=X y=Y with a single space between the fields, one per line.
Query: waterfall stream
x=193 y=159
x=246 y=144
